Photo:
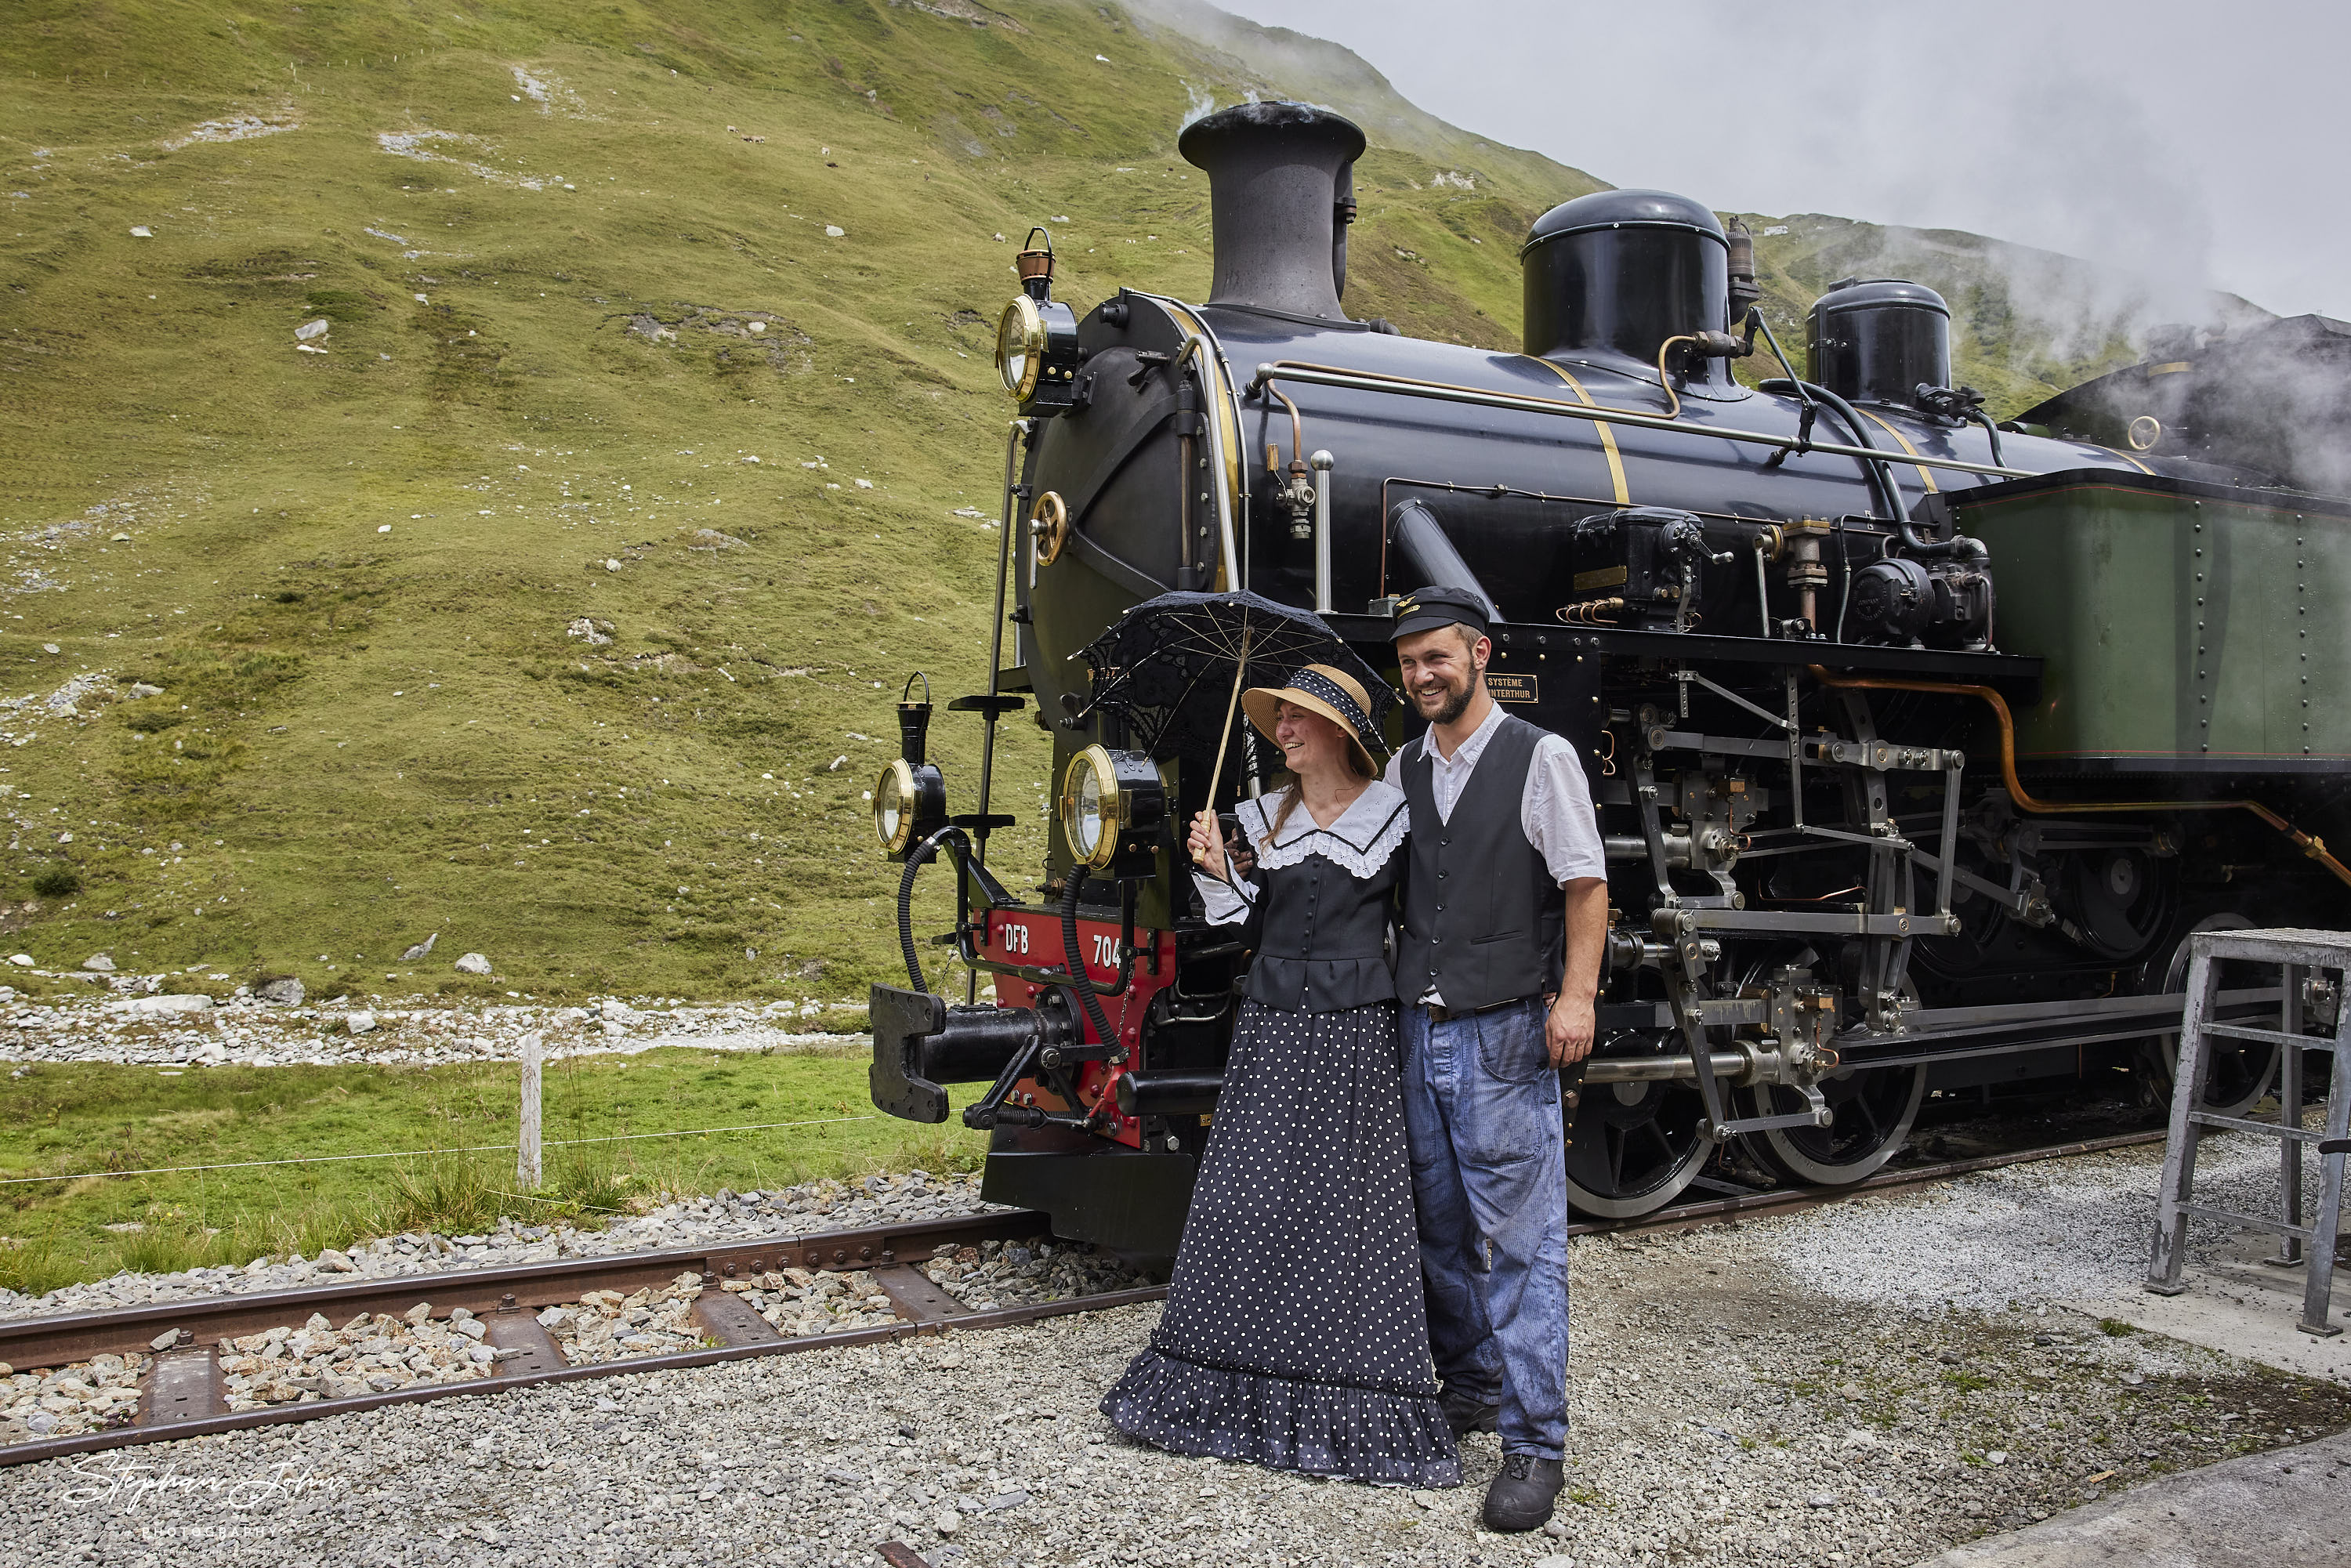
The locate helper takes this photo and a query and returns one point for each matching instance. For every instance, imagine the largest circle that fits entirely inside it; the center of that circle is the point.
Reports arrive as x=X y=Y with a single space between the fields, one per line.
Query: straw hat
x=1318 y=688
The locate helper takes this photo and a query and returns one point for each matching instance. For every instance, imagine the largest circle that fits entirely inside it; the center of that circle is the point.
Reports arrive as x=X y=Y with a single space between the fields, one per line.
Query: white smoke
x=2164 y=138
x=2071 y=167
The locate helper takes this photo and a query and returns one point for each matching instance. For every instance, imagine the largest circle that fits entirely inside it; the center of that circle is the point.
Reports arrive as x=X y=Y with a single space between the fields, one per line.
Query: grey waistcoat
x=1483 y=921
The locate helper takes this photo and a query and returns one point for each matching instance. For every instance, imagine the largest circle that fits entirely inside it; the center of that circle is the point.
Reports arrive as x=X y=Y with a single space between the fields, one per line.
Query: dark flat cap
x=1426 y=609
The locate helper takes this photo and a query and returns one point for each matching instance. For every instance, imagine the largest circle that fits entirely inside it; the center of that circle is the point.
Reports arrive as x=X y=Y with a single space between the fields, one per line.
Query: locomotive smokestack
x=1281 y=188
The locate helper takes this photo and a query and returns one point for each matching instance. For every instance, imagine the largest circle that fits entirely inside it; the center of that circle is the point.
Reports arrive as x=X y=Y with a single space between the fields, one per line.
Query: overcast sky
x=2202 y=144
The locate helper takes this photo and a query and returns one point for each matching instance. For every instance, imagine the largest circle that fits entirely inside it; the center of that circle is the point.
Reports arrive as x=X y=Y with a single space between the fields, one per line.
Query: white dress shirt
x=1555 y=811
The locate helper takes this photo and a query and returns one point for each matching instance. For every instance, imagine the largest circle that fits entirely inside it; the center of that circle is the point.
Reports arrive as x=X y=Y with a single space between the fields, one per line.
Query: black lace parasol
x=1172 y=667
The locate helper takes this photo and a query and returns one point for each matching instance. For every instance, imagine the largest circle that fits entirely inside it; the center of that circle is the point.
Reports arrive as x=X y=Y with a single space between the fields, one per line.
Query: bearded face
x=1441 y=669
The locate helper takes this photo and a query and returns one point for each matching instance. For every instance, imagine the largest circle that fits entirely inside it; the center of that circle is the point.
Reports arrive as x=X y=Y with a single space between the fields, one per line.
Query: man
x=1500 y=972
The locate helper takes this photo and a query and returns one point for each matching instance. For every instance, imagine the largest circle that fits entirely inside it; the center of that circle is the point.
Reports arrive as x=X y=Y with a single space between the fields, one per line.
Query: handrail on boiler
x=1446 y=391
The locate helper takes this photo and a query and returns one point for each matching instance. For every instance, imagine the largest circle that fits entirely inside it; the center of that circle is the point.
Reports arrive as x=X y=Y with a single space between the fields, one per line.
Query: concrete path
x=2237 y=1303
x=2290 y=1508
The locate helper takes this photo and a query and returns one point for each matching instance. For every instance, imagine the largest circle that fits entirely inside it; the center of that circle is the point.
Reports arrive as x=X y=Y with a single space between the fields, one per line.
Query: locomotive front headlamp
x=1020 y=347
x=1112 y=805
x=910 y=804
x=1038 y=355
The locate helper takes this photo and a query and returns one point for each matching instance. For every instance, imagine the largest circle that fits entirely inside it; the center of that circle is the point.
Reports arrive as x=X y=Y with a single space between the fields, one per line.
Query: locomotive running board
x=1688 y=647
x=1946 y=1034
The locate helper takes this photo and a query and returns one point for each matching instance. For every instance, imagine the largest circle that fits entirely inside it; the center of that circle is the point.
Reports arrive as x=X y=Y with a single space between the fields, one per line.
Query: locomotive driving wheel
x=2238 y=1072
x=1874 y=1109
x=1634 y=1147
x=1871 y=1111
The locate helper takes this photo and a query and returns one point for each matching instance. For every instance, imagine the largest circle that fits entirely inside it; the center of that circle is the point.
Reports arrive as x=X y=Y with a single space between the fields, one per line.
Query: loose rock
x=64 y=1402
x=187 y=1003
x=1020 y=1274
x=473 y=964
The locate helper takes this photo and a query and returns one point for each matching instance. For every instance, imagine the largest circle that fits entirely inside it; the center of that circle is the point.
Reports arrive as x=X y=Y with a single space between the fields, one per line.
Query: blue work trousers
x=1488 y=1174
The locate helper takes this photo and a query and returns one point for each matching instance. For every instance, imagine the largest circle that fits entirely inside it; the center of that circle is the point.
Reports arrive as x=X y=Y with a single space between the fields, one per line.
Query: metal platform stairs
x=2300 y=956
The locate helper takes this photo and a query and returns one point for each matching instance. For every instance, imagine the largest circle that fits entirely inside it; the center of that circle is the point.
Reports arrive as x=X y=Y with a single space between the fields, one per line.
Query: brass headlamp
x=910 y=798
x=1020 y=347
x=910 y=804
x=1114 y=804
x=1037 y=352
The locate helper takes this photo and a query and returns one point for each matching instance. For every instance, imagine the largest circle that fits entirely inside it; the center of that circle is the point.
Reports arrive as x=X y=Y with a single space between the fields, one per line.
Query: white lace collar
x=1359 y=842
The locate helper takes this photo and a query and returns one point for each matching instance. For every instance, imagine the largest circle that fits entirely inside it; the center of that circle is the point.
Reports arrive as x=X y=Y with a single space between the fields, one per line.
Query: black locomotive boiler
x=1920 y=743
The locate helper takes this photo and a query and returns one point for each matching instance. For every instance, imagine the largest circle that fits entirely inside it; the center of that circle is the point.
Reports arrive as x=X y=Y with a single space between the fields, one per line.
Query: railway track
x=183 y=1392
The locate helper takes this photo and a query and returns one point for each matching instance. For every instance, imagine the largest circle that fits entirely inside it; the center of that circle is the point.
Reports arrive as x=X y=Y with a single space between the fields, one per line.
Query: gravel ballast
x=66 y=1401
x=1738 y=1396
x=140 y=1020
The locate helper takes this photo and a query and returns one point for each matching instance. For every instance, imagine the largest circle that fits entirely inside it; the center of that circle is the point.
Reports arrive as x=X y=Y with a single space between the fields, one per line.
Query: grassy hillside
x=556 y=603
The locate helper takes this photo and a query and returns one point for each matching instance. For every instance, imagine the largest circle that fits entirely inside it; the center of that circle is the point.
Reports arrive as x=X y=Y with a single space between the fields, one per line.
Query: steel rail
x=502 y=1295
x=1675 y=1216
x=75 y=1336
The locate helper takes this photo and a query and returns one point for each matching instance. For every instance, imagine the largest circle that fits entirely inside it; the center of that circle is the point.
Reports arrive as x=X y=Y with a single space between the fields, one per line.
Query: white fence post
x=527 y=1164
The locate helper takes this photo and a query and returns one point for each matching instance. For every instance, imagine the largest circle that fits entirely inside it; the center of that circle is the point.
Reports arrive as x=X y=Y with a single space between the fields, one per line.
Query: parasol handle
x=1232 y=704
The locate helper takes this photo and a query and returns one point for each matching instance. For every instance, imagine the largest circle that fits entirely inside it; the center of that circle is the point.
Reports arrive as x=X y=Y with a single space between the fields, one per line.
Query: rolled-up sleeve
x=1558 y=815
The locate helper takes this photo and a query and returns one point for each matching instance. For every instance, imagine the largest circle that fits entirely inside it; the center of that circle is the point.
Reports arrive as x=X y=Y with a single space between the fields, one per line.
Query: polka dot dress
x=1294 y=1333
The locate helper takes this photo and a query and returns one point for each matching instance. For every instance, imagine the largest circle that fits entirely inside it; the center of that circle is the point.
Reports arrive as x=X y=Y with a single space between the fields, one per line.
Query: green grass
x=69 y=1118
x=363 y=736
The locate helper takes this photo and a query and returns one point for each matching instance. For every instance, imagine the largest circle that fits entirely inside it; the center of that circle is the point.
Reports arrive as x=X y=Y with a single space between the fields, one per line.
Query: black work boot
x=1466 y=1412
x=1521 y=1497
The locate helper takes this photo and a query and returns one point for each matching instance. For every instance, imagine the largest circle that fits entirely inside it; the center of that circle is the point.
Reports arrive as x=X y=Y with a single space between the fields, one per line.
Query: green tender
x=2184 y=625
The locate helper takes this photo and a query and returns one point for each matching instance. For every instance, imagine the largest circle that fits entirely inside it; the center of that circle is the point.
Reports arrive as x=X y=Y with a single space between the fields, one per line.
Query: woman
x=1294 y=1335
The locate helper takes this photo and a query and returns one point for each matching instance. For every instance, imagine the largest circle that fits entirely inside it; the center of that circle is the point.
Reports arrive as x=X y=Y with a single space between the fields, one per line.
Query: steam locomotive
x=1874 y=828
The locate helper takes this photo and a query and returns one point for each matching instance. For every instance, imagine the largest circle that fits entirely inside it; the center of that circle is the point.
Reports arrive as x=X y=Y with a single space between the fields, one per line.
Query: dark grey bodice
x=1325 y=899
